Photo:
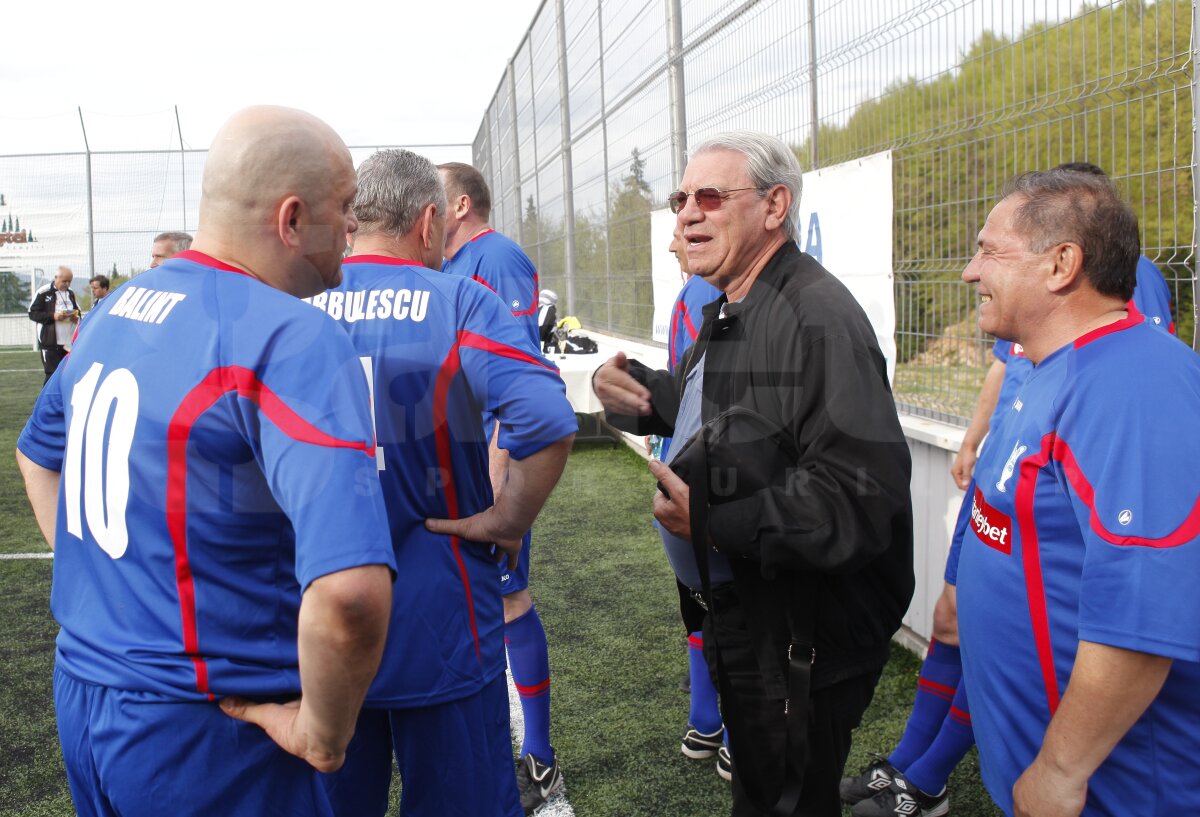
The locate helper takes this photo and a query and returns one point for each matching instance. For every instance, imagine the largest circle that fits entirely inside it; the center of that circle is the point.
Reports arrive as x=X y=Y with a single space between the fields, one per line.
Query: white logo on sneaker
x=880 y=780
x=906 y=805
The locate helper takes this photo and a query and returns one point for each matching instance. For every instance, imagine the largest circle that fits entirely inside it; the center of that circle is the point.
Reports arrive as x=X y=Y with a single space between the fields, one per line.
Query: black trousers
x=833 y=713
x=51 y=357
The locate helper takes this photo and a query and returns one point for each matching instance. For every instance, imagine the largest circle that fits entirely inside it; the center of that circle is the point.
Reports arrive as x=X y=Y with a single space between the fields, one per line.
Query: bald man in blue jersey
x=441 y=351
x=203 y=464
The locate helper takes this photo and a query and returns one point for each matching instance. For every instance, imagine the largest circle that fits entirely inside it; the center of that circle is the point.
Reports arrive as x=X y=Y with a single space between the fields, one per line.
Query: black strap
x=799 y=667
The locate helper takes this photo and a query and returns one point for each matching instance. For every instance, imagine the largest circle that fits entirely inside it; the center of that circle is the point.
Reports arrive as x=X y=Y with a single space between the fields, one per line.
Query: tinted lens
x=676 y=201
x=708 y=198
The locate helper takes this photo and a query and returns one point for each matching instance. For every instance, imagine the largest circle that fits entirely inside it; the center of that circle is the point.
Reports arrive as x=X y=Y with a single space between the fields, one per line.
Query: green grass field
x=602 y=588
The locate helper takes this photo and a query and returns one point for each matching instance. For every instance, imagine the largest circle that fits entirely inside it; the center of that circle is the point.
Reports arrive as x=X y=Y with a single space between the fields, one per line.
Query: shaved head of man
x=277 y=199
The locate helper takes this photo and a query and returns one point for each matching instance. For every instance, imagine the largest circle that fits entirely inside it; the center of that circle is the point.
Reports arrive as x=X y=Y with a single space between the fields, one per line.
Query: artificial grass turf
x=18 y=390
x=617 y=652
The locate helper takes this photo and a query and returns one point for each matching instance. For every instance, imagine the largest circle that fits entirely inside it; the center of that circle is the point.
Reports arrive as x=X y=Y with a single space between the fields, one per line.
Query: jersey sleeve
x=44 y=438
x=1133 y=480
x=515 y=384
x=317 y=450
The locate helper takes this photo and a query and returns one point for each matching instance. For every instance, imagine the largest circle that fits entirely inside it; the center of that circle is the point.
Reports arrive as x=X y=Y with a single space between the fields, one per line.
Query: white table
x=576 y=371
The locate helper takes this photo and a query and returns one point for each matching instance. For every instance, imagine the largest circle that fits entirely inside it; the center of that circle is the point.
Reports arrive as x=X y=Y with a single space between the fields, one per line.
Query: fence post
x=182 y=172
x=1195 y=175
x=676 y=89
x=564 y=119
x=814 y=110
x=516 y=158
x=91 y=231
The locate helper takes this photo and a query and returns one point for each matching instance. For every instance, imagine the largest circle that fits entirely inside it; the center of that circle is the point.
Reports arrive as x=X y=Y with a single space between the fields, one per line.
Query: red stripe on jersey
x=381 y=259
x=681 y=314
x=200 y=399
x=209 y=261
x=441 y=397
x=1188 y=530
x=533 y=691
x=485 y=283
x=482 y=234
x=1132 y=319
x=1035 y=588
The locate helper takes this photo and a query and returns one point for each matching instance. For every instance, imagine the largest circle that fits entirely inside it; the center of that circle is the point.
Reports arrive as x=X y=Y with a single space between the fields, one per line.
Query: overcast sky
x=396 y=72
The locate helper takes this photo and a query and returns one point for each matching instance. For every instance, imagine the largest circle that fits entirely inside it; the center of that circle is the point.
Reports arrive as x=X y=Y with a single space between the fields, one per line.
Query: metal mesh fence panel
x=965 y=93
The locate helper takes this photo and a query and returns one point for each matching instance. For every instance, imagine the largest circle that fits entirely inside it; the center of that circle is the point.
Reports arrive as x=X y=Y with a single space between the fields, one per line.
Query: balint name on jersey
x=992 y=527
x=373 y=304
x=145 y=305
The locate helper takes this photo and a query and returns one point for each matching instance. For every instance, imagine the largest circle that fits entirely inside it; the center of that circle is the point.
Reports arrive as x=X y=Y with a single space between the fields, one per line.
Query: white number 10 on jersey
x=94 y=473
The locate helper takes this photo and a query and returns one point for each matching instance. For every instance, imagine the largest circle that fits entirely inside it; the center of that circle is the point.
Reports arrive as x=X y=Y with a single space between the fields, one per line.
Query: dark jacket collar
x=771 y=276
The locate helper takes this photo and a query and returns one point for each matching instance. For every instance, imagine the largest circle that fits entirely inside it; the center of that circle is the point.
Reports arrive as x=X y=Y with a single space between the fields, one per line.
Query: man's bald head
x=278 y=185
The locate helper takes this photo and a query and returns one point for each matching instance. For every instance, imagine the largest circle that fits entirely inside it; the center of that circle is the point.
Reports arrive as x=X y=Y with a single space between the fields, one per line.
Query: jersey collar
x=208 y=261
x=381 y=259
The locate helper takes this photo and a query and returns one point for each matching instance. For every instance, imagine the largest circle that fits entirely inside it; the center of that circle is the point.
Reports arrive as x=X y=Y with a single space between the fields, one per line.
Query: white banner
x=665 y=274
x=846 y=224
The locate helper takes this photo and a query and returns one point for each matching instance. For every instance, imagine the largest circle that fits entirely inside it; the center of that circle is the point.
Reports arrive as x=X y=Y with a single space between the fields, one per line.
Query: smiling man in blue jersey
x=1078 y=617
x=441 y=351
x=475 y=250
x=204 y=465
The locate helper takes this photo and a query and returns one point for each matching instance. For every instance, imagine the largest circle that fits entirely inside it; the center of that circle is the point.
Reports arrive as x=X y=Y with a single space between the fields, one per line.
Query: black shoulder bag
x=745 y=445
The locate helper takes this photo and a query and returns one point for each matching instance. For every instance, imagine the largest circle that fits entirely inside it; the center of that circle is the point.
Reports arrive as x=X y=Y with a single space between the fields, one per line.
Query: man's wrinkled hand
x=284 y=724
x=483 y=527
x=1043 y=792
x=674 y=514
x=618 y=390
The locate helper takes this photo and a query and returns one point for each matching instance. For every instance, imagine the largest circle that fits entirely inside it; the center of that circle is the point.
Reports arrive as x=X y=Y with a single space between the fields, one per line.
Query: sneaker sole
x=697 y=754
x=724 y=774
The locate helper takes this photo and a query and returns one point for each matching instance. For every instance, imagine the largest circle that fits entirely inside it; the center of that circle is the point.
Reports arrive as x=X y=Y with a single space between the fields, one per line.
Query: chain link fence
x=588 y=129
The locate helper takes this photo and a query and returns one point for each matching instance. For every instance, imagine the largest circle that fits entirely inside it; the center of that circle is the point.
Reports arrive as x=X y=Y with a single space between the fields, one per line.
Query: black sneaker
x=537 y=781
x=724 y=764
x=903 y=799
x=870 y=782
x=699 y=746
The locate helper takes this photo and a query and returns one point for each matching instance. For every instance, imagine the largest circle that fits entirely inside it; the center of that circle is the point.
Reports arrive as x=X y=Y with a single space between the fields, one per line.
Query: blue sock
x=930 y=772
x=529 y=660
x=704 y=714
x=936 y=686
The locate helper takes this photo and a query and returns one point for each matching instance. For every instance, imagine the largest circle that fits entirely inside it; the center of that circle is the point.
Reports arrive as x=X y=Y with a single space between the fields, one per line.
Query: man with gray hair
x=167 y=245
x=805 y=567
x=440 y=351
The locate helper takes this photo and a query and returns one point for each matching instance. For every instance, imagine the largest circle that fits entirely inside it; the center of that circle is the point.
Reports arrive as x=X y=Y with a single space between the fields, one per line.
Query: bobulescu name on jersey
x=373 y=304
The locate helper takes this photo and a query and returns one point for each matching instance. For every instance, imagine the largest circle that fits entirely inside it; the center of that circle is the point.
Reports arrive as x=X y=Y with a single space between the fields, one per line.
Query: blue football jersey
x=214 y=441
x=686 y=318
x=442 y=350
x=1152 y=297
x=1083 y=524
x=499 y=263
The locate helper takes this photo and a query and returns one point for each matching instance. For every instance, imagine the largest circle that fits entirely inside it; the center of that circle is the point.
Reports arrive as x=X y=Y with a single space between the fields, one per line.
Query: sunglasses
x=707 y=198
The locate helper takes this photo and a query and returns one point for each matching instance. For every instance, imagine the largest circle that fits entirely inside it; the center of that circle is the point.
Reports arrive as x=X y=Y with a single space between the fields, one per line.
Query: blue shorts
x=517 y=579
x=455 y=760
x=960 y=528
x=138 y=753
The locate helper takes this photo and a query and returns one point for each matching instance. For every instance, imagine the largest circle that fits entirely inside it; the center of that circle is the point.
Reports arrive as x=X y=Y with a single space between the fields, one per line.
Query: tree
x=14 y=296
x=629 y=249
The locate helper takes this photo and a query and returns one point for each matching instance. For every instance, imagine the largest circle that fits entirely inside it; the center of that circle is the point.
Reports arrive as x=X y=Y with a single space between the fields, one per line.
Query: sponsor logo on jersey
x=1125 y=516
x=373 y=304
x=145 y=304
x=1011 y=465
x=1017 y=350
x=993 y=527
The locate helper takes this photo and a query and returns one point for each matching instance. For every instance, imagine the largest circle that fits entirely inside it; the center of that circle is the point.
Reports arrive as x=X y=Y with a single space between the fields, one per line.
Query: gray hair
x=394 y=186
x=768 y=162
x=1065 y=204
x=179 y=240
